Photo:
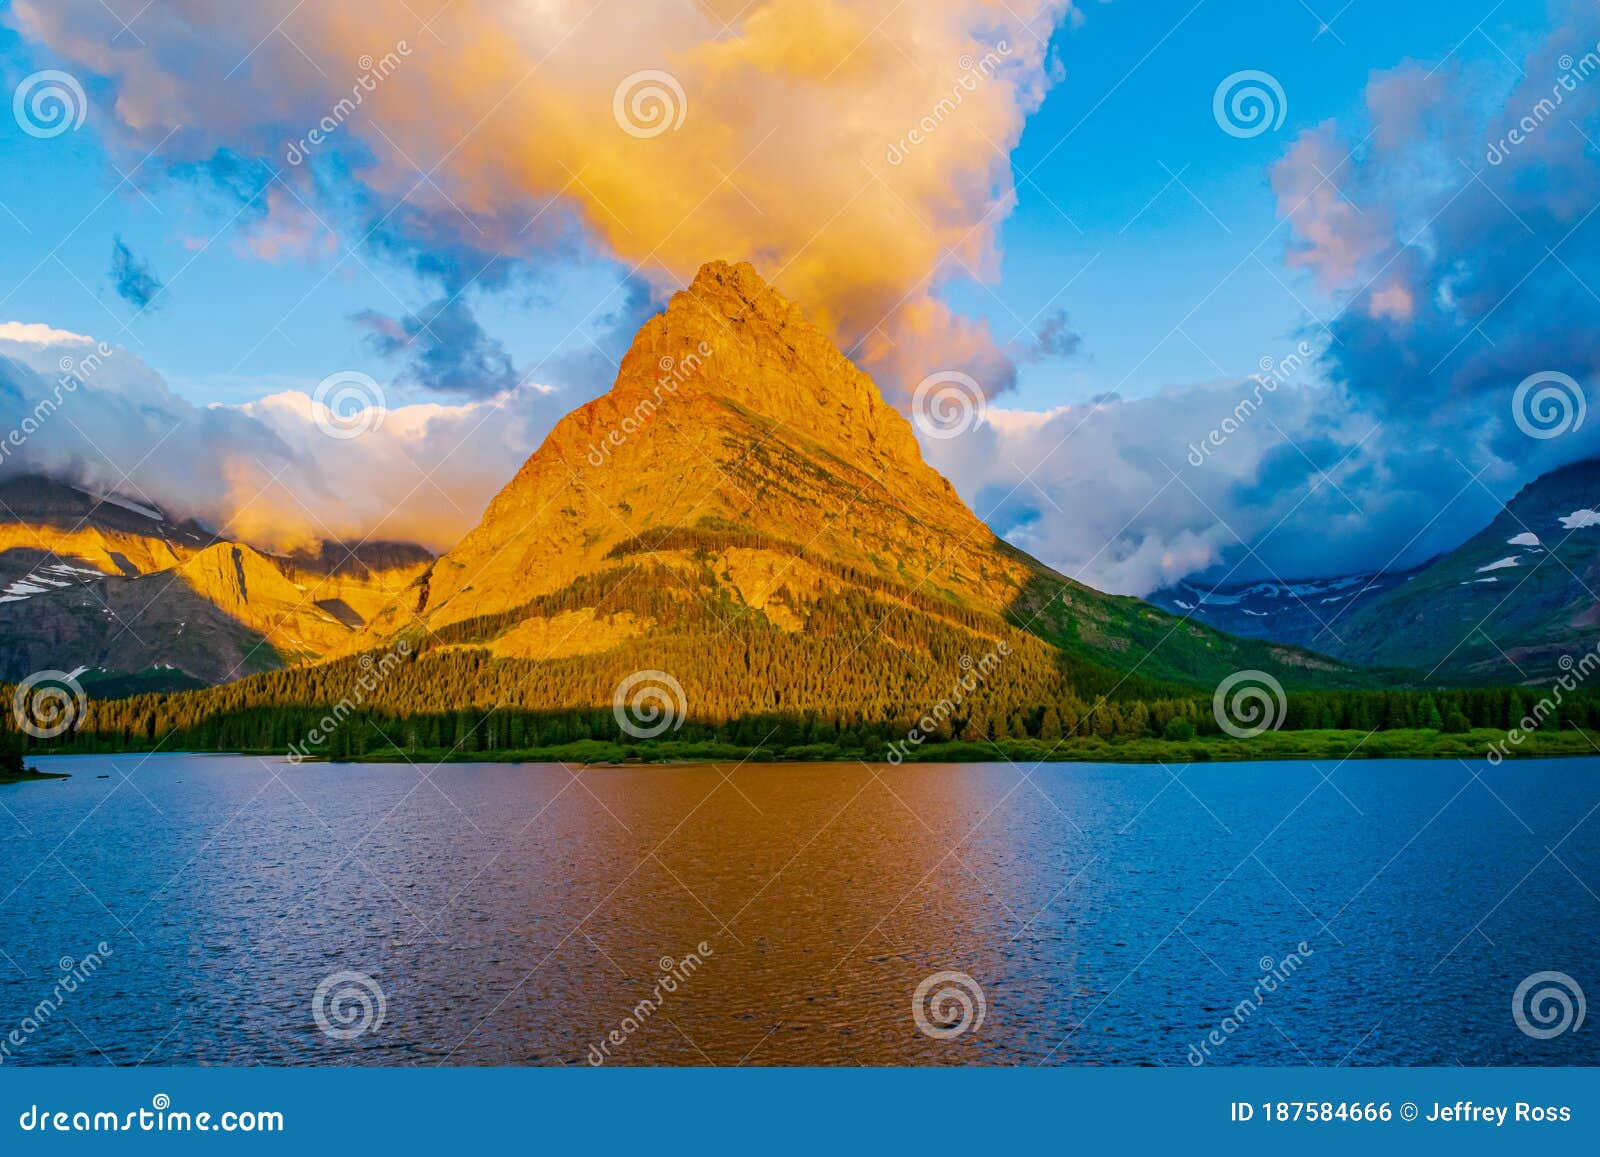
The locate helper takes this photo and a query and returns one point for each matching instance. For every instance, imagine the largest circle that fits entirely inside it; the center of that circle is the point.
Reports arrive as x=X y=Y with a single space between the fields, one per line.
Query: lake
x=252 y=911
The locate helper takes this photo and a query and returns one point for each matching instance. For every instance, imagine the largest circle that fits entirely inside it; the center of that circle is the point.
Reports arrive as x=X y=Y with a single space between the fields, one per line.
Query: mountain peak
x=733 y=409
x=738 y=279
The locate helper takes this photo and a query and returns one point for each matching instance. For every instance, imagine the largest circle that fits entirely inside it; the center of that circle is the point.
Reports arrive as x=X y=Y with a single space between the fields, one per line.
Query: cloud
x=1057 y=338
x=1474 y=260
x=1452 y=229
x=33 y=333
x=444 y=348
x=135 y=283
x=856 y=150
x=266 y=472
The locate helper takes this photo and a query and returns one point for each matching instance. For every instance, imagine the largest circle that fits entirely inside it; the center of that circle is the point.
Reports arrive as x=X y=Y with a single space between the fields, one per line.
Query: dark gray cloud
x=1057 y=338
x=443 y=349
x=134 y=280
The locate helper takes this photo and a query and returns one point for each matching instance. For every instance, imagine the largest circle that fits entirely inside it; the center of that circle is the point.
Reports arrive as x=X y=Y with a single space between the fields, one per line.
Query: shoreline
x=1271 y=746
x=30 y=775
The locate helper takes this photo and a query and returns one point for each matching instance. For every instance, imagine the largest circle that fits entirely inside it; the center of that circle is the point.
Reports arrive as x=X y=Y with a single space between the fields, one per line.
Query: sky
x=1091 y=233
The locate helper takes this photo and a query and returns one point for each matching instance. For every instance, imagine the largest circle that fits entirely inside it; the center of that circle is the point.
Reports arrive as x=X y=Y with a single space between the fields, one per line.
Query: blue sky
x=1125 y=184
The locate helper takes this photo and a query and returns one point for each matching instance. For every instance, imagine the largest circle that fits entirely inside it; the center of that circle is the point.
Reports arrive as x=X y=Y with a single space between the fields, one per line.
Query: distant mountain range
x=1503 y=607
x=1289 y=612
x=130 y=599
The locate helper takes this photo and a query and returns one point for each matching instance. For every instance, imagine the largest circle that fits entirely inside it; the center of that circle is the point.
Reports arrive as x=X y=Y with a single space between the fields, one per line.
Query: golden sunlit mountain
x=115 y=589
x=743 y=475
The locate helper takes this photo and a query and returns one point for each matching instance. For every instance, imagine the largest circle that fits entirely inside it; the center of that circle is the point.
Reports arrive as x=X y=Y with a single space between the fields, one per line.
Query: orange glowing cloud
x=857 y=151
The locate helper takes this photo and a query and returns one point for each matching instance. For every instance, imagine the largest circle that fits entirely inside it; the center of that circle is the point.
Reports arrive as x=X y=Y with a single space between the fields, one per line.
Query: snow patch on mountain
x=1527 y=538
x=1500 y=563
x=1579 y=519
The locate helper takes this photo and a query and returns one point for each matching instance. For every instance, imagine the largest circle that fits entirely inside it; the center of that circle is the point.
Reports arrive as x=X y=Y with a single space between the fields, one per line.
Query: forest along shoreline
x=1271 y=746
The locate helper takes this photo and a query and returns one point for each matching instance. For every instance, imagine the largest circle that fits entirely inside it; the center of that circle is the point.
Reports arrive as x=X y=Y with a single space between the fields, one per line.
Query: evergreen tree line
x=872 y=663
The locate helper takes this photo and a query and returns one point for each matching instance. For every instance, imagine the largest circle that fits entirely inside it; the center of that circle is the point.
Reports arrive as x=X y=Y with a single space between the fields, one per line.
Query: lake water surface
x=520 y=914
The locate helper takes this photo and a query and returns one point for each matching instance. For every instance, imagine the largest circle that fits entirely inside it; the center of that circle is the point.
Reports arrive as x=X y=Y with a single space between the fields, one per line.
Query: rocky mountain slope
x=1507 y=604
x=115 y=589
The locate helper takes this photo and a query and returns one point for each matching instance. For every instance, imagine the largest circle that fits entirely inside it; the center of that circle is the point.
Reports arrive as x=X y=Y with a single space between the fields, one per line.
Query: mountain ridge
x=1505 y=606
x=119 y=590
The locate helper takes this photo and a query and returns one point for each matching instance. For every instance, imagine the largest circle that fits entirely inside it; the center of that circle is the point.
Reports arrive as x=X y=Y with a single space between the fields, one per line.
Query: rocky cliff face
x=730 y=412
